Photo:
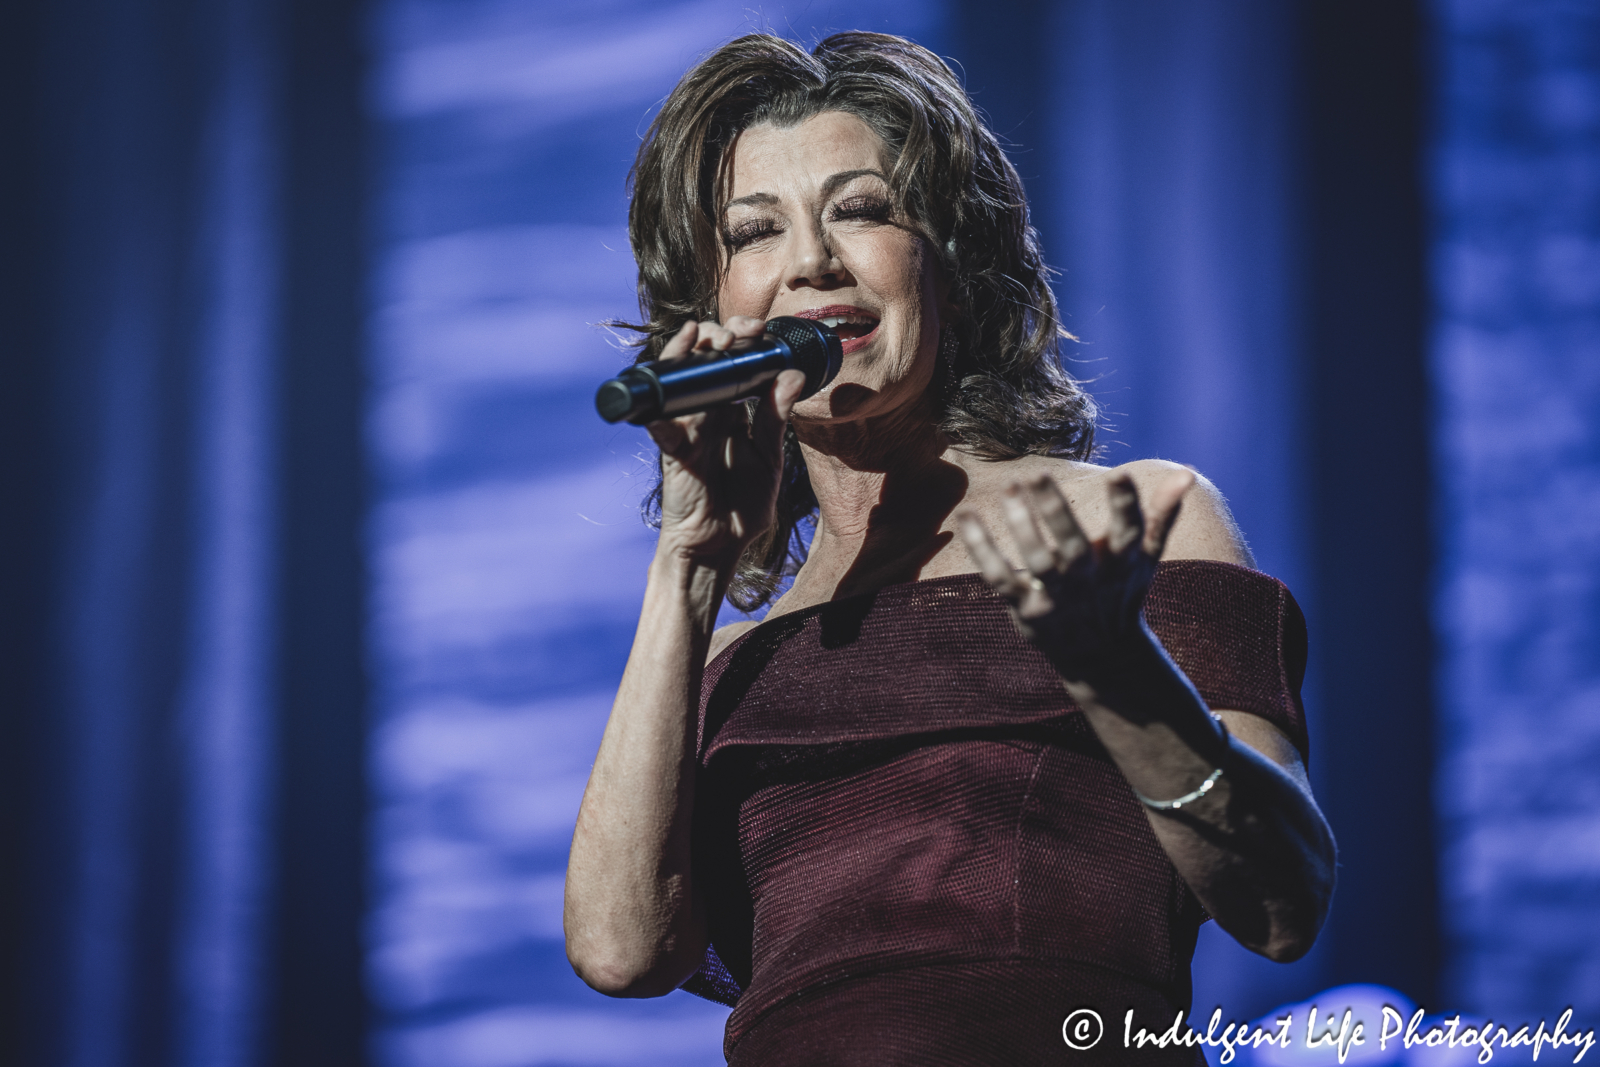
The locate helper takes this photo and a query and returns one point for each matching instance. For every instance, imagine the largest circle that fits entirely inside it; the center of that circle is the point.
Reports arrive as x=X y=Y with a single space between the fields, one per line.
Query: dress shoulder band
x=942 y=654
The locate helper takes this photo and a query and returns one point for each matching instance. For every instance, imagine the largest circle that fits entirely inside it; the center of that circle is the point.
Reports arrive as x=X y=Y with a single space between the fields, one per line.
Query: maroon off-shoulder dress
x=913 y=848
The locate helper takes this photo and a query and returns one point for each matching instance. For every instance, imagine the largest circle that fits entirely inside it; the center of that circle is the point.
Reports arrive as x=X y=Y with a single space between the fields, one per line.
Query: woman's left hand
x=1078 y=600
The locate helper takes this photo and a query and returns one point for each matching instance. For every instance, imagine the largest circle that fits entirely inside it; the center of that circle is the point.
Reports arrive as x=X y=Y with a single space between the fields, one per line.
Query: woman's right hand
x=720 y=470
x=634 y=916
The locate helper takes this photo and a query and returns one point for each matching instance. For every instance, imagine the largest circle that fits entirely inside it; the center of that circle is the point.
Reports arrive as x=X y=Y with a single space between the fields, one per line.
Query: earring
x=949 y=344
x=949 y=352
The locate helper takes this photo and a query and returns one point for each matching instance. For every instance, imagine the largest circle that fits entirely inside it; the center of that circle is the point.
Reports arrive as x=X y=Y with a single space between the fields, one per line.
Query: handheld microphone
x=646 y=392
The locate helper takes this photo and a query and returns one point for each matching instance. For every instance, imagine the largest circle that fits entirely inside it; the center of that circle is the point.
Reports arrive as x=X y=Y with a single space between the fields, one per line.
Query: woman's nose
x=815 y=265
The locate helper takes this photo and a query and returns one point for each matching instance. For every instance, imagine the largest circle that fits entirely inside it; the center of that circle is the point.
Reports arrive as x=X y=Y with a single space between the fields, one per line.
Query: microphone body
x=646 y=392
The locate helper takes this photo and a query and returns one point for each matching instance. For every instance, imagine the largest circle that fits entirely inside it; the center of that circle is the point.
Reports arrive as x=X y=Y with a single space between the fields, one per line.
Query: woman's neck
x=884 y=489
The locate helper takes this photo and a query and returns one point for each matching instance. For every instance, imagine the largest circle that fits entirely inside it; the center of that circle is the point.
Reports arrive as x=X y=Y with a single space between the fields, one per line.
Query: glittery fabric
x=912 y=846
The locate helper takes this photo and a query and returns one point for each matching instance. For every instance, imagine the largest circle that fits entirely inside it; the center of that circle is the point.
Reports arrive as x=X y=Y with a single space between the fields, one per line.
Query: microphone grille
x=817 y=350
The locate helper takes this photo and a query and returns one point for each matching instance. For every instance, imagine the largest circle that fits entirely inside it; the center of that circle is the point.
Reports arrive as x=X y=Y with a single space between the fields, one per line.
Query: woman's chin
x=848 y=399
x=840 y=401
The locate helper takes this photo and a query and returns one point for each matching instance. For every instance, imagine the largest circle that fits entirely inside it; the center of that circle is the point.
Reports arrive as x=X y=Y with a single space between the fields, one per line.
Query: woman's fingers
x=722 y=425
x=714 y=337
x=719 y=337
x=1037 y=556
x=1127 y=521
x=991 y=564
x=745 y=327
x=670 y=435
x=701 y=337
x=710 y=336
x=1165 y=503
x=681 y=343
x=772 y=414
x=779 y=402
x=1071 y=544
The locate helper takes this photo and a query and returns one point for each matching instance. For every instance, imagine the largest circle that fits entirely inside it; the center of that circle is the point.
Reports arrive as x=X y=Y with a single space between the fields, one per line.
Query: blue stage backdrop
x=305 y=658
x=1515 y=189
x=181 y=311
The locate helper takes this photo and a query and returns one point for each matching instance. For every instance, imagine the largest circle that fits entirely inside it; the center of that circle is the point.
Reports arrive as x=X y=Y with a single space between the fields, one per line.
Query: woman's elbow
x=615 y=975
x=1298 y=915
x=1281 y=938
x=1294 y=927
x=1286 y=946
x=629 y=971
x=618 y=979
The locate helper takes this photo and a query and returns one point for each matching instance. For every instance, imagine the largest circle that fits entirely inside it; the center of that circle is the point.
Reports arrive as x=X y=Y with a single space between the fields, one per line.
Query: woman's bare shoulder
x=990 y=477
x=1205 y=528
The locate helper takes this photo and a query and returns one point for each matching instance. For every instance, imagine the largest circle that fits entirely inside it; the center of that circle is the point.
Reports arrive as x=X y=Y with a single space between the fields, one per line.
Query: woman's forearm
x=1255 y=848
x=633 y=923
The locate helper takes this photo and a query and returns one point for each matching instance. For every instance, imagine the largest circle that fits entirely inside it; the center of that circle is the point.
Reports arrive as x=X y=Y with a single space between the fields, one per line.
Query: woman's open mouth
x=855 y=327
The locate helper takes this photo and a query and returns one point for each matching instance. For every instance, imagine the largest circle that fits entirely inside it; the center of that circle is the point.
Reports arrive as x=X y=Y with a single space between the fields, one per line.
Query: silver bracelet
x=1187 y=798
x=1205 y=786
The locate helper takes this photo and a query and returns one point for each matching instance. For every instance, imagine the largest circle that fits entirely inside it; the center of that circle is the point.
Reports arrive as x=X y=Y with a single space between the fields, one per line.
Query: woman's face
x=810 y=230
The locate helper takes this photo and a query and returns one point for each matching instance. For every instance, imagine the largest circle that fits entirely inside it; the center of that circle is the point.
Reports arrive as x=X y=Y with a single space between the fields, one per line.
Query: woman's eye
x=749 y=232
x=861 y=207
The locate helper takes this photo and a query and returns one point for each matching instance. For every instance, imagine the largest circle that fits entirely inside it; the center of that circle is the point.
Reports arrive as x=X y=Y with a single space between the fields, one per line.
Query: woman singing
x=936 y=801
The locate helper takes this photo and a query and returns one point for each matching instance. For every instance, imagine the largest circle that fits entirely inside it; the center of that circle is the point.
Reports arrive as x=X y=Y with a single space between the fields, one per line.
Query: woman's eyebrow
x=844 y=177
x=829 y=187
x=762 y=199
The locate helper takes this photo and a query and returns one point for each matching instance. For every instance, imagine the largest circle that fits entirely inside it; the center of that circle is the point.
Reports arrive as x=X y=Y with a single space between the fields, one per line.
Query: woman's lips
x=855 y=344
x=850 y=340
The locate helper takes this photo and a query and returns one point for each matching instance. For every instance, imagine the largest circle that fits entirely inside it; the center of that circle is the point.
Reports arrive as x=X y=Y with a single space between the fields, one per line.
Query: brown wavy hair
x=1003 y=389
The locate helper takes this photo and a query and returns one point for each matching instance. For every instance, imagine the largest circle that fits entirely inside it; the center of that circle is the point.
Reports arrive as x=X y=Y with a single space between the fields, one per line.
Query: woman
x=910 y=828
